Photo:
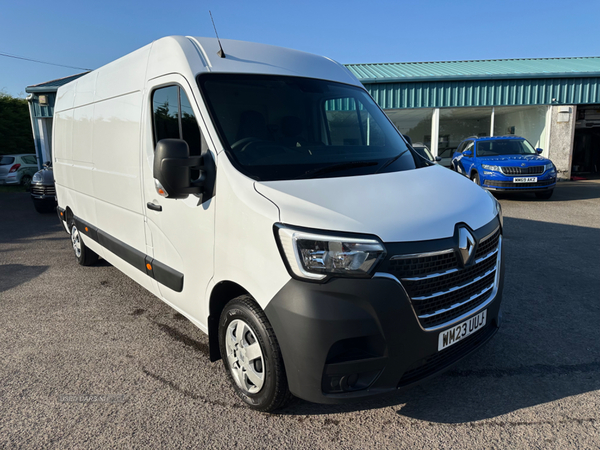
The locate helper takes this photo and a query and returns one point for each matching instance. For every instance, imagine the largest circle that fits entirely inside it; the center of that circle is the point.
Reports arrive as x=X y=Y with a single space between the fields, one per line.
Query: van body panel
x=181 y=235
x=122 y=76
x=245 y=244
x=393 y=206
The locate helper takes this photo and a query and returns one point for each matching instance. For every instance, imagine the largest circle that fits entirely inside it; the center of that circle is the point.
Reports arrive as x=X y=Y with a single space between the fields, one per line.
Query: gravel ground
x=88 y=359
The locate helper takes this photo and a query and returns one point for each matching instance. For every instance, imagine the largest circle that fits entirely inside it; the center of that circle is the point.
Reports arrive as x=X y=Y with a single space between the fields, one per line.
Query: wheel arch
x=221 y=294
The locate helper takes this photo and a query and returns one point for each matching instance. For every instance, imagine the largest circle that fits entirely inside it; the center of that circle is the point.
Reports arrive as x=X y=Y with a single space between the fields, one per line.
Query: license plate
x=525 y=180
x=458 y=332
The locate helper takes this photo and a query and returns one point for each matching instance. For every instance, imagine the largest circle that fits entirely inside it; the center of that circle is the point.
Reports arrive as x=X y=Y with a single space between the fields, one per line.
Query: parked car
x=17 y=169
x=505 y=163
x=446 y=157
x=43 y=193
x=424 y=151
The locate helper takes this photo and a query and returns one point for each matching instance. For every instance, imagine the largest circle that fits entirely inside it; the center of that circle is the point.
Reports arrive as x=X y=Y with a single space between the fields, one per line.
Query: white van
x=264 y=195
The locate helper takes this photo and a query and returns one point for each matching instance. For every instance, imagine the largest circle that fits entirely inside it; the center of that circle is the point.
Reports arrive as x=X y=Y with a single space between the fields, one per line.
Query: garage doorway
x=586 y=145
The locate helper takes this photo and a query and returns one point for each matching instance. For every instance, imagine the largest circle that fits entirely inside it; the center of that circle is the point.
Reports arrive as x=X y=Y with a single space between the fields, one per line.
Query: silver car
x=17 y=169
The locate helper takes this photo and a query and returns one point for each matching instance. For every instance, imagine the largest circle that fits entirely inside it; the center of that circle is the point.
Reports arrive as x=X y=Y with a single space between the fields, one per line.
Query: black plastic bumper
x=353 y=338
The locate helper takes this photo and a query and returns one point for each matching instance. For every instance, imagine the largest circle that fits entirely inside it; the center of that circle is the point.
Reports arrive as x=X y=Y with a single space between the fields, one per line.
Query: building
x=553 y=102
x=41 y=110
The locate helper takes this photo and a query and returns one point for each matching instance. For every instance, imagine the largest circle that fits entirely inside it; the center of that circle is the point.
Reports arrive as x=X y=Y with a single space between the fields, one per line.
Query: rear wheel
x=475 y=178
x=251 y=355
x=84 y=255
x=545 y=195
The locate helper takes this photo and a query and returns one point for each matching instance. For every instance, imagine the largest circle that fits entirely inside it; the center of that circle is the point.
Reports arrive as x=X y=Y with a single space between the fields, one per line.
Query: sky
x=88 y=34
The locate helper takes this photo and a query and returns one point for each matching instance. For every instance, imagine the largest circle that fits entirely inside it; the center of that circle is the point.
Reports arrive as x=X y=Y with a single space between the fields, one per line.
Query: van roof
x=191 y=56
x=250 y=57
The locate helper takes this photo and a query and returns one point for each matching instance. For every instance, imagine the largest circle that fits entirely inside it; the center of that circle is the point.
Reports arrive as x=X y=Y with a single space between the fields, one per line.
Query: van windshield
x=281 y=128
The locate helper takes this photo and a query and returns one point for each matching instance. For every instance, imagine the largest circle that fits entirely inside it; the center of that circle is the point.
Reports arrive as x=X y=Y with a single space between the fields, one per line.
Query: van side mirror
x=438 y=158
x=407 y=138
x=172 y=165
x=468 y=153
x=539 y=151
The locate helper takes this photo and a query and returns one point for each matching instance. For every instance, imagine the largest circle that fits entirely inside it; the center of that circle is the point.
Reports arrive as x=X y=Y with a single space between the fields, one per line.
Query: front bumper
x=353 y=338
x=43 y=193
x=495 y=181
x=9 y=179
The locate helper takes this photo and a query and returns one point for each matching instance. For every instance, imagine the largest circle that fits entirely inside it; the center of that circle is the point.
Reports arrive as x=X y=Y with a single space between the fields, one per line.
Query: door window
x=174 y=118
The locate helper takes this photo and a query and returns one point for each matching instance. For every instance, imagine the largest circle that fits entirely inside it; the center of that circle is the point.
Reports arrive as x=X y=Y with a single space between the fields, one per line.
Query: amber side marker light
x=86 y=229
x=148 y=266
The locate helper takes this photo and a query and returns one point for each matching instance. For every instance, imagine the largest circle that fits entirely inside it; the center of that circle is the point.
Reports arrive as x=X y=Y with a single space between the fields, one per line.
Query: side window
x=29 y=160
x=460 y=147
x=165 y=106
x=174 y=119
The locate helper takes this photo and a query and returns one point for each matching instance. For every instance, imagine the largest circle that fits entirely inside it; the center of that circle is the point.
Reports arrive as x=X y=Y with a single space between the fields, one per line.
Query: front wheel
x=545 y=195
x=26 y=182
x=84 y=255
x=251 y=355
x=475 y=179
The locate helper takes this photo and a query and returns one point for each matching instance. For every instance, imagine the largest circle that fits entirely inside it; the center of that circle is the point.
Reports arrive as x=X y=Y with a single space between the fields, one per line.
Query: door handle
x=154 y=207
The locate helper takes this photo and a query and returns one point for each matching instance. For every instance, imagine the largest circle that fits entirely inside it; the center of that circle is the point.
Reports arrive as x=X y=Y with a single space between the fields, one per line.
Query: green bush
x=15 y=126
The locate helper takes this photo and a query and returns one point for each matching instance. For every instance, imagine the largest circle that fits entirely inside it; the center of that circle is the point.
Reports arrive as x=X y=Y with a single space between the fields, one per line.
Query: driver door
x=179 y=233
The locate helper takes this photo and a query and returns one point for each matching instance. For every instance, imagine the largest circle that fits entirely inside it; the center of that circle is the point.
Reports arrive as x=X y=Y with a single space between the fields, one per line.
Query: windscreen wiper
x=395 y=158
x=336 y=168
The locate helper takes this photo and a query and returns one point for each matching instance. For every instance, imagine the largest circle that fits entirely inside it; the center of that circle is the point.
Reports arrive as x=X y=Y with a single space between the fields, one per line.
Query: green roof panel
x=478 y=69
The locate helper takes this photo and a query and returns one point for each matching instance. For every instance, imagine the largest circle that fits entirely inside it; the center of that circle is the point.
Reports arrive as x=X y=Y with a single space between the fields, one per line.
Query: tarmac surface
x=89 y=359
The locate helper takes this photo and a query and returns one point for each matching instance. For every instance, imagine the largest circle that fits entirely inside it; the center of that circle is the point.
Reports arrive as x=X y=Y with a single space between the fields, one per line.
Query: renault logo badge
x=466 y=245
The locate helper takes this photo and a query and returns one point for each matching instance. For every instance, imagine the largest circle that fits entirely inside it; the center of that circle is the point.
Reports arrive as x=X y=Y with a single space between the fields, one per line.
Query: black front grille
x=510 y=184
x=421 y=266
x=429 y=286
x=441 y=302
x=488 y=245
x=446 y=357
x=534 y=170
x=42 y=190
x=440 y=288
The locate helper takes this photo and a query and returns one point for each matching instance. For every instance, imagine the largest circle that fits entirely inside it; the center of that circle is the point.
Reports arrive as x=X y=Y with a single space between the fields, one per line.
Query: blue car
x=505 y=163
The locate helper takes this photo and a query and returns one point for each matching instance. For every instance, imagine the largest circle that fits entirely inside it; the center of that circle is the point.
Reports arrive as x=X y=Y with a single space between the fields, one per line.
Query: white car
x=17 y=169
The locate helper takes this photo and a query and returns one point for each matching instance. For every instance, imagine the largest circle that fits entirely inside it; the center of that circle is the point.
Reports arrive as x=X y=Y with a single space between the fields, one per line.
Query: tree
x=15 y=126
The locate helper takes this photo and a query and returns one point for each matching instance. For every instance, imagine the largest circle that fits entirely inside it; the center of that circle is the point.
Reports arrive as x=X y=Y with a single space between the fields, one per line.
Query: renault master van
x=263 y=194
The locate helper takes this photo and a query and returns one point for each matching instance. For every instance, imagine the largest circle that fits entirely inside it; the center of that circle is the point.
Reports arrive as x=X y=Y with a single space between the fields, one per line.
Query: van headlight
x=316 y=256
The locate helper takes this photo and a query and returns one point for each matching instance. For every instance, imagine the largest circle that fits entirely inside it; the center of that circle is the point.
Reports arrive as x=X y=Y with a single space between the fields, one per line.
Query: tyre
x=545 y=195
x=44 y=207
x=475 y=178
x=251 y=355
x=26 y=181
x=84 y=255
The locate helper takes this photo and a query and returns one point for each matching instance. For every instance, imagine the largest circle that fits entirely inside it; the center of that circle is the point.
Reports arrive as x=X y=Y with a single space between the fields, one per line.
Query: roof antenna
x=221 y=53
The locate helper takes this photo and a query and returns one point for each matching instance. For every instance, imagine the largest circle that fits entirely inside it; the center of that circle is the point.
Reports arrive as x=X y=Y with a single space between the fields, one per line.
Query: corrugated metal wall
x=509 y=92
x=42 y=111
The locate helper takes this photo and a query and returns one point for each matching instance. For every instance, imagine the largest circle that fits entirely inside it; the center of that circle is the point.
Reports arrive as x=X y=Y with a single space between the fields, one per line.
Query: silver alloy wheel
x=245 y=357
x=75 y=239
